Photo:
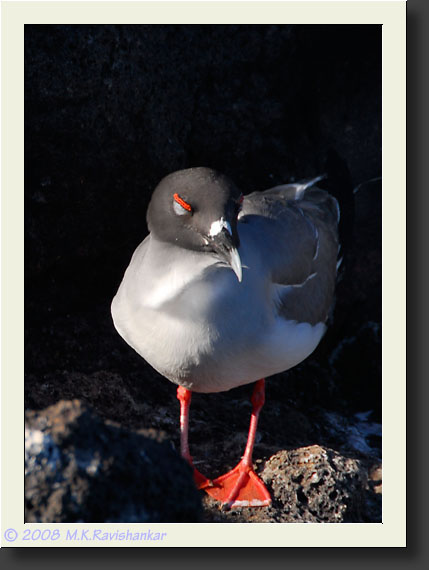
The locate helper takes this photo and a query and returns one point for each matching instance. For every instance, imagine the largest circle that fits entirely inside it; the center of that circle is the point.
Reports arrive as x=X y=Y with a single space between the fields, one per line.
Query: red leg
x=241 y=487
x=184 y=396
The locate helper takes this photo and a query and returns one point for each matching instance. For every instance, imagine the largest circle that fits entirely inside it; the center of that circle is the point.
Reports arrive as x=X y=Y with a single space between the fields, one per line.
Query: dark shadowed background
x=109 y=111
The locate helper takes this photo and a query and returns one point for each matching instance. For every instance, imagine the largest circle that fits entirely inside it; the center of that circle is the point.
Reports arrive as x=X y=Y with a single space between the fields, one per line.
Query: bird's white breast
x=192 y=320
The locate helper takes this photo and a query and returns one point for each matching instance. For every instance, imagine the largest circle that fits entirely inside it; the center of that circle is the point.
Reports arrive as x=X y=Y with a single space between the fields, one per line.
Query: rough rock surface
x=109 y=110
x=310 y=484
x=81 y=469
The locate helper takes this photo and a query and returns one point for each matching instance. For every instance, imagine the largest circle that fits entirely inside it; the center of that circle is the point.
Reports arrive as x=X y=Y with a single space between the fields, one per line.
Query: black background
x=110 y=110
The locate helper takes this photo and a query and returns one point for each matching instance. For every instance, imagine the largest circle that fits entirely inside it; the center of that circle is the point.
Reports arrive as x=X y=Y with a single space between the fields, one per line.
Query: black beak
x=225 y=245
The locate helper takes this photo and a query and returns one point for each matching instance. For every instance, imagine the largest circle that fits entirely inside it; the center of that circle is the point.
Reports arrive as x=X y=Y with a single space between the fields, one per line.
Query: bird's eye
x=180 y=206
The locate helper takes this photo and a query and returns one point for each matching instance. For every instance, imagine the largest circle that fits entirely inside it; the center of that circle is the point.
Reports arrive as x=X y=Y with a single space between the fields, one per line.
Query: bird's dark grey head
x=197 y=209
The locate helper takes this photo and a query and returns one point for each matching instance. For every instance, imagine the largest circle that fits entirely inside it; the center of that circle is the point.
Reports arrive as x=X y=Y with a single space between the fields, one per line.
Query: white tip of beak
x=235 y=262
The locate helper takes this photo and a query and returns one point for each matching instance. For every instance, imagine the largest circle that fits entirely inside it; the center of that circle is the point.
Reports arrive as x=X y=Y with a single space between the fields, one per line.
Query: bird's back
x=296 y=229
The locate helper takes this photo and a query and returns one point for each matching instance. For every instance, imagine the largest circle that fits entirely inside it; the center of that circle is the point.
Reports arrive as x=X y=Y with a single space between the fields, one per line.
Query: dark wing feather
x=302 y=223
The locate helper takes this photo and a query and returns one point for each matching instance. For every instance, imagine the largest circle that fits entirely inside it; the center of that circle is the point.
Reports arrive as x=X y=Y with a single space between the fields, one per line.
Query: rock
x=81 y=469
x=312 y=484
x=316 y=484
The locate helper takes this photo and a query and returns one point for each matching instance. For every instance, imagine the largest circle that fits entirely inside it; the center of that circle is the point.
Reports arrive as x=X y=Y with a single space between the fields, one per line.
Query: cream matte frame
x=392 y=15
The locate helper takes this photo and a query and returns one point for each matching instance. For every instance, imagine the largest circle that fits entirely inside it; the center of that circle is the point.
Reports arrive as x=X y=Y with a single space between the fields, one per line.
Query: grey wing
x=299 y=225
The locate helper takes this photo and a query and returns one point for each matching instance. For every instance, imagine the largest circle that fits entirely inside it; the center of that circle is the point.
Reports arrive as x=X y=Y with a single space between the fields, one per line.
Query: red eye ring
x=241 y=198
x=182 y=203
